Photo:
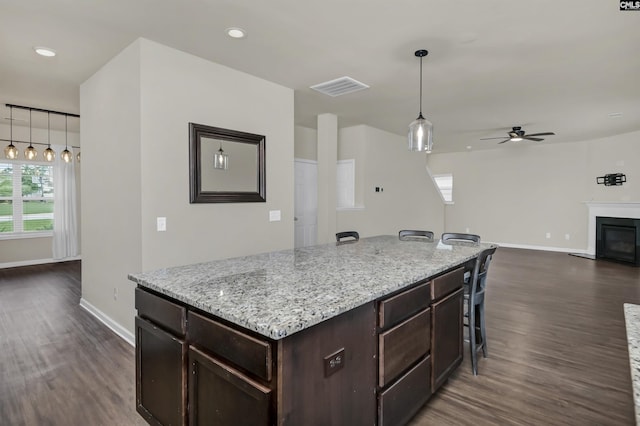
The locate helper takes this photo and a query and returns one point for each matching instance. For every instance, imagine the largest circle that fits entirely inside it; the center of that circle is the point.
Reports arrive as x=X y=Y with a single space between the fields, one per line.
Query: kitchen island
x=343 y=333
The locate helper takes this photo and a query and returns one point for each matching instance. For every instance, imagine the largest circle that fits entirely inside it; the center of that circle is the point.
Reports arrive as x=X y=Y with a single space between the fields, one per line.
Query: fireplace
x=618 y=239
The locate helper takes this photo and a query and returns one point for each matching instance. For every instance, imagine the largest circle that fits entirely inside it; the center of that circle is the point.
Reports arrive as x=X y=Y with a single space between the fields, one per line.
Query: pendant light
x=220 y=159
x=30 y=153
x=66 y=155
x=11 y=152
x=48 y=153
x=421 y=130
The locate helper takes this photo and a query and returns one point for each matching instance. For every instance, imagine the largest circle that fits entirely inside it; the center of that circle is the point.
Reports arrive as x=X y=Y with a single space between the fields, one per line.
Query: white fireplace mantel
x=629 y=209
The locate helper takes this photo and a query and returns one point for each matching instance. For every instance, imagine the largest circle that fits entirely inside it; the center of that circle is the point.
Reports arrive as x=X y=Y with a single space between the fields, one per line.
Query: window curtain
x=65 y=222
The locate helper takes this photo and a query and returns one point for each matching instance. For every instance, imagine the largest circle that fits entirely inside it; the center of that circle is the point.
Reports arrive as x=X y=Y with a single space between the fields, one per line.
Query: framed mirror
x=225 y=166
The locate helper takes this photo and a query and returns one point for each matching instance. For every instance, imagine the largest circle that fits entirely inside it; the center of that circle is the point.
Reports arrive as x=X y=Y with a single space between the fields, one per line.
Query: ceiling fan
x=517 y=134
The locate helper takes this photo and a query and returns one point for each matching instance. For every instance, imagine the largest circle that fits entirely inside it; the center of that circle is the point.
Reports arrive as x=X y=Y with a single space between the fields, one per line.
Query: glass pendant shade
x=11 y=152
x=421 y=135
x=49 y=154
x=220 y=160
x=78 y=157
x=421 y=130
x=67 y=156
x=30 y=153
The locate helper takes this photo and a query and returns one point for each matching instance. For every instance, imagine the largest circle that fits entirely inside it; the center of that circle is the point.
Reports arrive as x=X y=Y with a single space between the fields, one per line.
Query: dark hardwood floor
x=59 y=365
x=557 y=346
x=556 y=337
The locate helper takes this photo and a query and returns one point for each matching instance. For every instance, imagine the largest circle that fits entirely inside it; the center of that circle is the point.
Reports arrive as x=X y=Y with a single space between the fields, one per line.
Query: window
x=26 y=198
x=445 y=186
x=345 y=184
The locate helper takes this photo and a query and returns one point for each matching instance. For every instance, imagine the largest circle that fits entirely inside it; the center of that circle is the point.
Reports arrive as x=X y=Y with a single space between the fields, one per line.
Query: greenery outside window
x=26 y=198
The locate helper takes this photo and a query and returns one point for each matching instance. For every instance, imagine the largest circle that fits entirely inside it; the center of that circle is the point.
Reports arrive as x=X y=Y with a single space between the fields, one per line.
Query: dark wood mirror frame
x=196 y=192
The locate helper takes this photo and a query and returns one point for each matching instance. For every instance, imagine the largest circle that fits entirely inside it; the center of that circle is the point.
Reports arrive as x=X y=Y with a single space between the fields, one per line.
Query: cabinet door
x=221 y=395
x=446 y=337
x=161 y=367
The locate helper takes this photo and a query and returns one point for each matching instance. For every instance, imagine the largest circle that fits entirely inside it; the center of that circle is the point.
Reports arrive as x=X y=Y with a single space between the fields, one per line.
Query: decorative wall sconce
x=611 y=179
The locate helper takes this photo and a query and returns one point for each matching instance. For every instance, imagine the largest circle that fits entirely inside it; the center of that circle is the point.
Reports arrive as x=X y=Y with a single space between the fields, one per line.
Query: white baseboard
x=32 y=262
x=543 y=248
x=109 y=322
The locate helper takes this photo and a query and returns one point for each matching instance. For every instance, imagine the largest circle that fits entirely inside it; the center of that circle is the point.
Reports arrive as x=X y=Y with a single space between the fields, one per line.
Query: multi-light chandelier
x=30 y=153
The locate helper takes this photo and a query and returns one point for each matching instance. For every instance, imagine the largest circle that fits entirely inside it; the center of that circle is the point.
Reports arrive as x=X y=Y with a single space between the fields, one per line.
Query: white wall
x=110 y=103
x=409 y=199
x=153 y=92
x=518 y=193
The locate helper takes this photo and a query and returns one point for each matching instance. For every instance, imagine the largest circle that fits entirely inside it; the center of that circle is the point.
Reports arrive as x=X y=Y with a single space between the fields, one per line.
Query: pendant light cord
x=11 y=128
x=49 y=130
x=420 y=86
x=30 y=138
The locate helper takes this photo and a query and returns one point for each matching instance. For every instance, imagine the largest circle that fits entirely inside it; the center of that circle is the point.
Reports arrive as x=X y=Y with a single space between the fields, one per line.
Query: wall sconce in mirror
x=241 y=181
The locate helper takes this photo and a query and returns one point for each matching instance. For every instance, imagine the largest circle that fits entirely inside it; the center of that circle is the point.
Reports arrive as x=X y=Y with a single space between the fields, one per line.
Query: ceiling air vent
x=339 y=86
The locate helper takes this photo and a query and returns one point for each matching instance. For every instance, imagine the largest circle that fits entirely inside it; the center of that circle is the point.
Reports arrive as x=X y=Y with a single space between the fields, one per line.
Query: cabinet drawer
x=166 y=314
x=403 y=345
x=447 y=283
x=401 y=306
x=403 y=400
x=242 y=350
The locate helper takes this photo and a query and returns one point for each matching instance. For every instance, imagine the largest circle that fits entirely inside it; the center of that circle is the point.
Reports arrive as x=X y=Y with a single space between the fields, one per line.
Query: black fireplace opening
x=618 y=239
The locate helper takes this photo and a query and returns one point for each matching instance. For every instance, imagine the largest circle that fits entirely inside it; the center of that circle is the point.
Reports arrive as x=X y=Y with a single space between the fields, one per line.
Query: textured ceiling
x=543 y=65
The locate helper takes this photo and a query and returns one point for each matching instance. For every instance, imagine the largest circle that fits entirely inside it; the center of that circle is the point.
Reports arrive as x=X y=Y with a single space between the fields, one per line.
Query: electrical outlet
x=115 y=293
x=333 y=362
x=567 y=237
x=548 y=236
x=466 y=230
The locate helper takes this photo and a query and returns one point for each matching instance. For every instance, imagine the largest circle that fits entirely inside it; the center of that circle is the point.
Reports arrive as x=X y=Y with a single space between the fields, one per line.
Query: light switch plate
x=274 y=215
x=161 y=224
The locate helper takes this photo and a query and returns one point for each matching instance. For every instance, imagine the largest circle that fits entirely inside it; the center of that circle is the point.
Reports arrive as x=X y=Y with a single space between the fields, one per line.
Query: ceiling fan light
x=516 y=139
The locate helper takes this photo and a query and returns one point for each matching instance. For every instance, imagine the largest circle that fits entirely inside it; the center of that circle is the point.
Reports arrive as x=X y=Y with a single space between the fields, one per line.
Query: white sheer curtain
x=65 y=223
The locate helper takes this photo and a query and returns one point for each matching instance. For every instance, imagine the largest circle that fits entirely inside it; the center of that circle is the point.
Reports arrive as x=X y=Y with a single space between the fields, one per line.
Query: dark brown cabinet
x=446 y=337
x=221 y=395
x=161 y=361
x=375 y=364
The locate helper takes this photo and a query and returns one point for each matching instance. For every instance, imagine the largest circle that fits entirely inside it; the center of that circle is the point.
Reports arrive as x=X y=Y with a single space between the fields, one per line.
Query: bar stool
x=347 y=234
x=474 y=298
x=408 y=234
x=458 y=236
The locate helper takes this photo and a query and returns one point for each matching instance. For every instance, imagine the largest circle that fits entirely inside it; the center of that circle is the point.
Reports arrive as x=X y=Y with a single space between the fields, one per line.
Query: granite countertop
x=279 y=293
x=632 y=320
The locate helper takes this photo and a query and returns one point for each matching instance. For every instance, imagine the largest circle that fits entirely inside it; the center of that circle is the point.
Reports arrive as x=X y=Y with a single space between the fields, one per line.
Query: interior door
x=306 y=203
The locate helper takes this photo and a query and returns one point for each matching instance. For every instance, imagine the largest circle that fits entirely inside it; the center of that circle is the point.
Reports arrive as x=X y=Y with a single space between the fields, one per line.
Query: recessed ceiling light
x=45 y=51
x=234 y=32
x=615 y=114
x=468 y=146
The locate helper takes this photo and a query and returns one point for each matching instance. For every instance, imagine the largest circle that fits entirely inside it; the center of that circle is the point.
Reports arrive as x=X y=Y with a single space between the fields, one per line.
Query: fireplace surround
x=618 y=239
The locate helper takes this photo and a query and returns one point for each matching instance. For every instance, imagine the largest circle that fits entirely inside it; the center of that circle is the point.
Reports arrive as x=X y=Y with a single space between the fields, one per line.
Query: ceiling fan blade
x=542 y=134
x=506 y=140
x=486 y=139
x=532 y=139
